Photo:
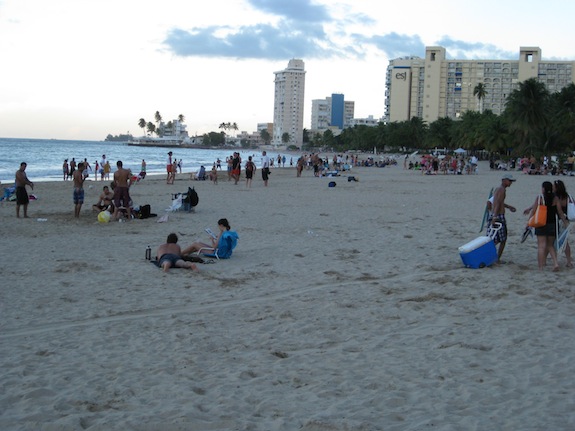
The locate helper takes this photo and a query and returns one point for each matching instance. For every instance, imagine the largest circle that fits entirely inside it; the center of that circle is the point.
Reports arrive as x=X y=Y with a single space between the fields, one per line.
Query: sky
x=83 y=69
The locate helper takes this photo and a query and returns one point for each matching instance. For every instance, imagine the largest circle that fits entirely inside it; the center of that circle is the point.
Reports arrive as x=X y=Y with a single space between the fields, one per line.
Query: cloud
x=459 y=49
x=395 y=45
x=296 y=10
x=299 y=32
x=261 y=41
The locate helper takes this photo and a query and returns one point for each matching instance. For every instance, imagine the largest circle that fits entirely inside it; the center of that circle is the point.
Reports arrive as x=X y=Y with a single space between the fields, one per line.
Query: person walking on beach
x=78 y=195
x=265 y=168
x=546 y=235
x=563 y=196
x=21 y=182
x=169 y=255
x=498 y=213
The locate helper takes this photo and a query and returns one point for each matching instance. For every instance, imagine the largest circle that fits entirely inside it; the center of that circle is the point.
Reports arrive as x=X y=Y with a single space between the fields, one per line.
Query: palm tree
x=151 y=127
x=265 y=135
x=234 y=126
x=525 y=112
x=142 y=124
x=181 y=118
x=480 y=92
x=223 y=126
x=285 y=137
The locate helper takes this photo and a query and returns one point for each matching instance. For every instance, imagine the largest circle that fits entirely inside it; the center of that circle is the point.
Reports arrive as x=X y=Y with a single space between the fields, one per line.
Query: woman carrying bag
x=546 y=234
x=564 y=201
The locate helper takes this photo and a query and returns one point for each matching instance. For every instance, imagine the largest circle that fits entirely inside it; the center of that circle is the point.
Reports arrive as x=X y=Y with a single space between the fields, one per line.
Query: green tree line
x=535 y=122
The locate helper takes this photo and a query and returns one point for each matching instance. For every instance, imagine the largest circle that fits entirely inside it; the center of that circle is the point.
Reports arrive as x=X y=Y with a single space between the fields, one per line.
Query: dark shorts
x=78 y=196
x=265 y=173
x=22 y=196
x=548 y=230
x=121 y=197
x=169 y=257
x=249 y=174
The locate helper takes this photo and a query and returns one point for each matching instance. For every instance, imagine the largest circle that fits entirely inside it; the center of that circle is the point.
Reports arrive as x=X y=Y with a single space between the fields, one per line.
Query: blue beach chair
x=226 y=245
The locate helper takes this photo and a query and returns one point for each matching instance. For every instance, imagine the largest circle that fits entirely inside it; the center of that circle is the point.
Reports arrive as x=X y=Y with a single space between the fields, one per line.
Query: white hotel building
x=289 y=103
x=435 y=87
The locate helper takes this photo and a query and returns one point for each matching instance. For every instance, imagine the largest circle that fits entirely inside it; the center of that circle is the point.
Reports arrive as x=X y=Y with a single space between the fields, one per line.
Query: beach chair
x=226 y=246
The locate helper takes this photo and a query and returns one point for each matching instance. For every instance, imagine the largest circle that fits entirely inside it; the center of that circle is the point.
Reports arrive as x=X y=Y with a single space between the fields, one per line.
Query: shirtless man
x=105 y=200
x=169 y=255
x=21 y=182
x=121 y=189
x=498 y=213
x=78 y=179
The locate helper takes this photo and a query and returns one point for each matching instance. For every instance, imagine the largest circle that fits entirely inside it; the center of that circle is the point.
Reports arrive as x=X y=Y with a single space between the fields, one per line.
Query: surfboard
x=485 y=212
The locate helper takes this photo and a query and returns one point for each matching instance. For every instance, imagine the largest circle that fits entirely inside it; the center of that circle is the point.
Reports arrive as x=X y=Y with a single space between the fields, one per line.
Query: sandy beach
x=344 y=308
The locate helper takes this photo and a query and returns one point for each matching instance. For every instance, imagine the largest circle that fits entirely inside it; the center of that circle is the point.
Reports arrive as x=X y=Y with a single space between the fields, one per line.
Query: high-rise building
x=332 y=112
x=437 y=87
x=289 y=103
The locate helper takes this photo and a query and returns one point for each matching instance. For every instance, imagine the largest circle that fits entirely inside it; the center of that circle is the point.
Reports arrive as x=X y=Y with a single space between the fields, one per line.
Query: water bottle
x=148 y=253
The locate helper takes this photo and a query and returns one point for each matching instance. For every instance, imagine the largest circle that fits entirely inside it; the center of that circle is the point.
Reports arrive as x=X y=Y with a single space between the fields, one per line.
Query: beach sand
x=344 y=308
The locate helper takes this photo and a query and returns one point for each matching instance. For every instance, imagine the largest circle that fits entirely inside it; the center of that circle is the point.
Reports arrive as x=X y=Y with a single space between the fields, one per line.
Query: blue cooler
x=478 y=253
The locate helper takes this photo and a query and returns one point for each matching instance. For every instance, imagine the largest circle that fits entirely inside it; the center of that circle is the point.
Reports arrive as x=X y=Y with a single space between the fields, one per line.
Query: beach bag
x=539 y=218
x=570 y=208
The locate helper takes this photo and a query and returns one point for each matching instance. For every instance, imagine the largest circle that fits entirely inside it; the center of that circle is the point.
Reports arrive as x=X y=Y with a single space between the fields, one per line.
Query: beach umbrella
x=460 y=150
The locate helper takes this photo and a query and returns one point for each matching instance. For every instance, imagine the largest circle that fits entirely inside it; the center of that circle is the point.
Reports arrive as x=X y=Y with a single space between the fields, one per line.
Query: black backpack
x=191 y=198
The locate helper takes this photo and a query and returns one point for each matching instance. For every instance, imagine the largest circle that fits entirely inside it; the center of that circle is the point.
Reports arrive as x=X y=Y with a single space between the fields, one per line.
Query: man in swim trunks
x=21 y=182
x=498 y=213
x=78 y=179
x=121 y=190
x=169 y=255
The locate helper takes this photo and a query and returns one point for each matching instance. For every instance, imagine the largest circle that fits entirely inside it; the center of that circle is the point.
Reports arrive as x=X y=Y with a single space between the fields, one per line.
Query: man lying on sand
x=170 y=255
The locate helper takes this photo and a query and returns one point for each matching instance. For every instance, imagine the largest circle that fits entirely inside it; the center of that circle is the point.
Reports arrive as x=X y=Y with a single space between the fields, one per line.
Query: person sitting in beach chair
x=201 y=174
x=222 y=245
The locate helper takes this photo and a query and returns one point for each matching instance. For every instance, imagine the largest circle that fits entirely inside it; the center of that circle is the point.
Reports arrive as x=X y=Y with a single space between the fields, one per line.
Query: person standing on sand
x=265 y=168
x=498 y=213
x=169 y=255
x=65 y=169
x=169 y=167
x=250 y=171
x=102 y=166
x=78 y=195
x=107 y=169
x=546 y=234
x=563 y=196
x=21 y=182
x=121 y=189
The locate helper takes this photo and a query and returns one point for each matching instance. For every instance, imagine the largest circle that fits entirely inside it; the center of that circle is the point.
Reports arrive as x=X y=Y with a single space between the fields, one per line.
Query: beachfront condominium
x=331 y=113
x=435 y=87
x=289 y=104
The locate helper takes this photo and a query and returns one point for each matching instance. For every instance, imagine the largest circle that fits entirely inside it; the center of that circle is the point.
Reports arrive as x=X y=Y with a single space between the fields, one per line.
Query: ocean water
x=46 y=156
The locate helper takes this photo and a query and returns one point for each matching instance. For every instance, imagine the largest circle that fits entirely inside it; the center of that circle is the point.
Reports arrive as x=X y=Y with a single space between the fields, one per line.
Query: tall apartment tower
x=331 y=112
x=289 y=103
x=435 y=87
